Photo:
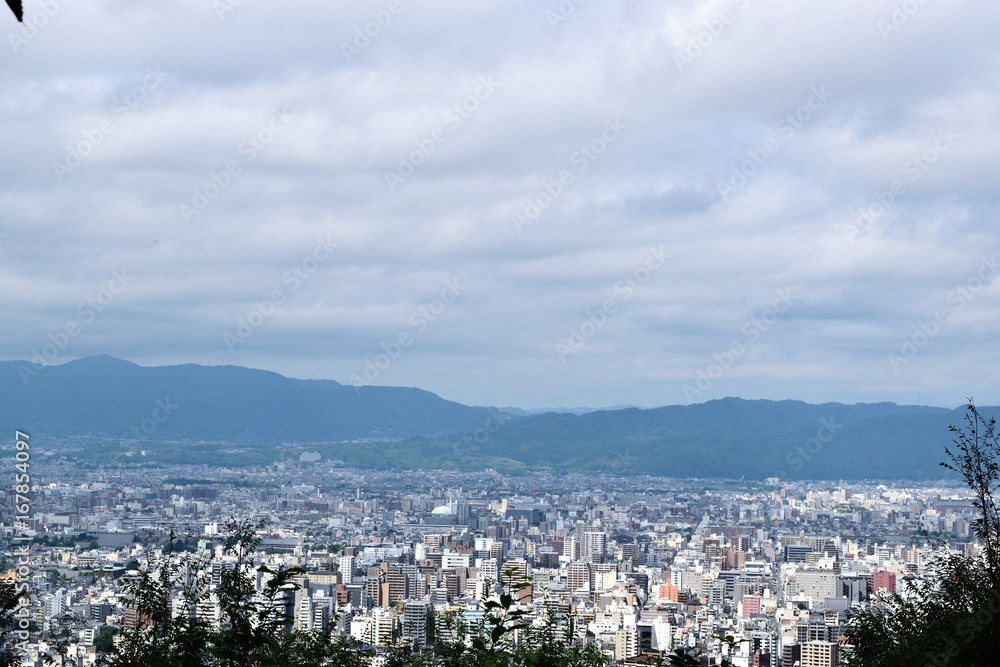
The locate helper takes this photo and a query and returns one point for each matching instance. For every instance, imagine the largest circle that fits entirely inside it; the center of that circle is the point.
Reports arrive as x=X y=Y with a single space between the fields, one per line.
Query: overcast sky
x=514 y=203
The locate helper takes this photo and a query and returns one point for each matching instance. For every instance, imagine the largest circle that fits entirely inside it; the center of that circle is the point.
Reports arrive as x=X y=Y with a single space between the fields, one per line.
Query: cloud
x=352 y=117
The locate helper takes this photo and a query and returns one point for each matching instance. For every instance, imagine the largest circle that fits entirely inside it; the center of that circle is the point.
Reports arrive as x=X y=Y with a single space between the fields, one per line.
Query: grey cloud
x=352 y=118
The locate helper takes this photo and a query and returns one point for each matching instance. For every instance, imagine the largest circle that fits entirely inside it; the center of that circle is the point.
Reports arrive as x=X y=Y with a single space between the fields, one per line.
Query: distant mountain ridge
x=108 y=396
x=580 y=410
x=731 y=437
x=408 y=428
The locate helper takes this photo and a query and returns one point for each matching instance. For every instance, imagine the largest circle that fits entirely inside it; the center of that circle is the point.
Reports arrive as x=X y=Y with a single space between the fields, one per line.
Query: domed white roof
x=443 y=509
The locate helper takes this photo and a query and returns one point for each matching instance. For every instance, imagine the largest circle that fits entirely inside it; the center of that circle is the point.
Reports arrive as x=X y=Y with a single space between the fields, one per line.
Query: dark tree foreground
x=10 y=598
x=15 y=6
x=952 y=617
x=255 y=631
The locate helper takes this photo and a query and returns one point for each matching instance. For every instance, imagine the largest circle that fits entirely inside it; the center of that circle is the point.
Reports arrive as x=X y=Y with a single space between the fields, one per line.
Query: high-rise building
x=626 y=644
x=451 y=560
x=207 y=610
x=791 y=653
x=346 y=565
x=57 y=603
x=571 y=547
x=817 y=584
x=751 y=605
x=489 y=570
x=763 y=645
x=303 y=612
x=454 y=583
x=383 y=625
x=796 y=553
x=820 y=654
x=446 y=625
x=376 y=591
x=669 y=592
x=884 y=580
x=603 y=576
x=395 y=579
x=578 y=576
x=593 y=546
x=735 y=559
x=416 y=621
x=855 y=587
x=323 y=610
x=515 y=574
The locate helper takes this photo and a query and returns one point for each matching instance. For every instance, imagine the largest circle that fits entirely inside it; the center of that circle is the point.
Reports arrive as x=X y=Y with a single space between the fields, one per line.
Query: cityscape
x=637 y=565
x=506 y=333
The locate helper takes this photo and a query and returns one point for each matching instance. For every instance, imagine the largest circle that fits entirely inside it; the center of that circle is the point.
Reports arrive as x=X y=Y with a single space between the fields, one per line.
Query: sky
x=514 y=203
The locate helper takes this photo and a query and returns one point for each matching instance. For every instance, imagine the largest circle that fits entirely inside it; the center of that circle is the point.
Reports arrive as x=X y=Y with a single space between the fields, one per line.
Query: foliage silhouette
x=15 y=6
x=952 y=617
x=255 y=628
x=10 y=598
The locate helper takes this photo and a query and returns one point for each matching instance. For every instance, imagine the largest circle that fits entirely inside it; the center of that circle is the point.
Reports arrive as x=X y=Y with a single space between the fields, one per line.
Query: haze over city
x=512 y=203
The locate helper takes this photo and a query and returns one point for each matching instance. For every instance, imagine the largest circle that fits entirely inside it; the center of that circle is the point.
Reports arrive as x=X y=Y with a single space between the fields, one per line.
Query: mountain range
x=124 y=406
x=108 y=396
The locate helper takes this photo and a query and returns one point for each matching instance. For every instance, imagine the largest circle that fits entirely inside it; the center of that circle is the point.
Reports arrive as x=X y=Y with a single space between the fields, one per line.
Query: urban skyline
x=643 y=565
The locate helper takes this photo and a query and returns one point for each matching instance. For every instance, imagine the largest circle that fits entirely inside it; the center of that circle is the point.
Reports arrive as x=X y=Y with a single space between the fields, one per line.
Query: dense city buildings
x=636 y=565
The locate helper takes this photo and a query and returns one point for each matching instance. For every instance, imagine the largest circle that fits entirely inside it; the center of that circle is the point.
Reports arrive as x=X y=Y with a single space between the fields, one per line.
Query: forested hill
x=109 y=396
x=727 y=438
x=410 y=428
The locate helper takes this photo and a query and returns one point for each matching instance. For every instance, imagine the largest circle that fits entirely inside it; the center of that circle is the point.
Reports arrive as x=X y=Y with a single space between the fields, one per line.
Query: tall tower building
x=578 y=576
x=571 y=547
x=416 y=620
x=593 y=546
x=346 y=566
x=489 y=570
